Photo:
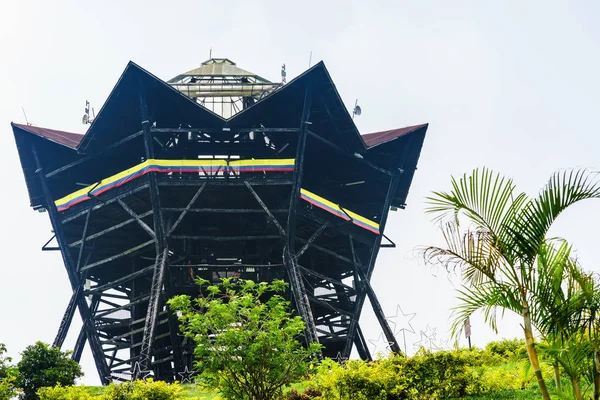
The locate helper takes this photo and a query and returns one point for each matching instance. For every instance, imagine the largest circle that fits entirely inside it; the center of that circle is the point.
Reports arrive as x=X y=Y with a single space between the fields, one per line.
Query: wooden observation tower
x=216 y=173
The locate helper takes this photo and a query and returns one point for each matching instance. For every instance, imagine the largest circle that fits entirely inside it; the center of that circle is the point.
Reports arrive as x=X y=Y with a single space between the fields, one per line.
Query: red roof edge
x=376 y=138
x=67 y=139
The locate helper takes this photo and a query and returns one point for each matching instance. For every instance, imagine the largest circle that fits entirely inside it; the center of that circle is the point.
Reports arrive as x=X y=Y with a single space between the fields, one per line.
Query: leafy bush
x=143 y=390
x=59 y=392
x=427 y=375
x=42 y=365
x=8 y=375
x=508 y=348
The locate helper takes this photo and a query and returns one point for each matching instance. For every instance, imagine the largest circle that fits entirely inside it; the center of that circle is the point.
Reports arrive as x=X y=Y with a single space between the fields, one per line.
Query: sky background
x=510 y=85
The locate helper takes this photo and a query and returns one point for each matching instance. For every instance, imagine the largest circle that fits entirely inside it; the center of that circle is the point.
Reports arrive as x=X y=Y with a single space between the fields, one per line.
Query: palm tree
x=559 y=312
x=506 y=233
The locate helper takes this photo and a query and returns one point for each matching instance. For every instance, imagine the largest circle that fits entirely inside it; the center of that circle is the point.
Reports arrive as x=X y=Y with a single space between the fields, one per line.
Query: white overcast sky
x=511 y=85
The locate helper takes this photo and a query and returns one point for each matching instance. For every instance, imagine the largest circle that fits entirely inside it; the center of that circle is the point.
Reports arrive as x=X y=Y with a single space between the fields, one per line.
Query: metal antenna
x=357 y=110
x=210 y=54
x=310 y=59
x=26 y=120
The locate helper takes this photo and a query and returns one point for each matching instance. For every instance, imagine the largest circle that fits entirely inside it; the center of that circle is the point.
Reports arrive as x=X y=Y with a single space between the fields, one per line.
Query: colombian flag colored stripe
x=209 y=167
x=338 y=211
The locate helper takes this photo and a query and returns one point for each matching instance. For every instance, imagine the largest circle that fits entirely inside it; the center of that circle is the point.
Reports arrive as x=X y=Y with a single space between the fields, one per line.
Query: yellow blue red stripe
x=208 y=167
x=338 y=211
x=211 y=167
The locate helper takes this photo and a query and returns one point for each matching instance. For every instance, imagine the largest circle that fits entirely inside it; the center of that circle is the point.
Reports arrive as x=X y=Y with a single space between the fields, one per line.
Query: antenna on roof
x=210 y=54
x=310 y=59
x=86 y=117
x=357 y=110
x=26 y=120
x=283 y=74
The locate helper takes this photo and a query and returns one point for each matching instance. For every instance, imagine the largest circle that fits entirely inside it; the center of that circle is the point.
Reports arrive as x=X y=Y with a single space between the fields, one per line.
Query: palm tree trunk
x=596 y=375
x=532 y=353
x=557 y=376
x=576 y=388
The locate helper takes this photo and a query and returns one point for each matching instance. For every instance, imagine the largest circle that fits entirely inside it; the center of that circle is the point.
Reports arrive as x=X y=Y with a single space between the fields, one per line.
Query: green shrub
x=8 y=375
x=42 y=365
x=59 y=392
x=508 y=348
x=426 y=375
x=143 y=390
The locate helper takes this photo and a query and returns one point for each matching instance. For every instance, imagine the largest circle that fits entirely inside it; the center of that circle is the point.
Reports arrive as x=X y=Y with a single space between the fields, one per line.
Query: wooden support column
x=74 y=277
x=82 y=337
x=70 y=311
x=289 y=252
x=161 y=273
x=363 y=290
x=361 y=345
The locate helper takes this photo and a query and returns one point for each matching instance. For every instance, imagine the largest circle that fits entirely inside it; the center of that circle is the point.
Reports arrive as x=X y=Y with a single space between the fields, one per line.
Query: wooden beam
x=106 y=202
x=137 y=218
x=116 y=282
x=225 y=210
x=91 y=157
x=228 y=182
x=186 y=209
x=265 y=208
x=311 y=240
x=225 y=238
x=112 y=228
x=327 y=279
x=117 y=256
x=340 y=150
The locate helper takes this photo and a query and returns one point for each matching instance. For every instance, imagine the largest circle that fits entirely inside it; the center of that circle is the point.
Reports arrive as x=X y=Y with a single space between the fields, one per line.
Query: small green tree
x=42 y=365
x=8 y=375
x=246 y=338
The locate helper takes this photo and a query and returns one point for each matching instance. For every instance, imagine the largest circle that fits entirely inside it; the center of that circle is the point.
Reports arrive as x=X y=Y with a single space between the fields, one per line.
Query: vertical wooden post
x=289 y=252
x=74 y=277
x=161 y=261
x=363 y=290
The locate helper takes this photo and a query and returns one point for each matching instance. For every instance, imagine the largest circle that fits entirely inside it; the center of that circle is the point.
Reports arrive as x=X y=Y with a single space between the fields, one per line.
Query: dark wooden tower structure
x=161 y=190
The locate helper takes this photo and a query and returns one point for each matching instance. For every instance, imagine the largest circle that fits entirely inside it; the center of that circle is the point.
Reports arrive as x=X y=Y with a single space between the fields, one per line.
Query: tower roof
x=218 y=67
x=282 y=108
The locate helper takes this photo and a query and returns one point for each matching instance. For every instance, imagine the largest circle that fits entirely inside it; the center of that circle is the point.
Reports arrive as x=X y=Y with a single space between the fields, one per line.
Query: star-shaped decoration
x=428 y=338
x=186 y=375
x=401 y=321
x=340 y=359
x=381 y=345
x=430 y=335
x=139 y=373
x=443 y=344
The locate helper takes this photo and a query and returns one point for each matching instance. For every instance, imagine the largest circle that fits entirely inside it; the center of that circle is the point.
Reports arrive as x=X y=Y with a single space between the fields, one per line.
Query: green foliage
x=8 y=375
x=246 y=340
x=143 y=390
x=307 y=394
x=60 y=392
x=507 y=261
x=42 y=365
x=508 y=348
x=427 y=375
x=136 y=390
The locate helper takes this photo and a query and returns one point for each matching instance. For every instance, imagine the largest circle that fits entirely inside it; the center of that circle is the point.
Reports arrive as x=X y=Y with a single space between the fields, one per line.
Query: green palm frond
x=487 y=298
x=532 y=223
x=486 y=198
x=473 y=253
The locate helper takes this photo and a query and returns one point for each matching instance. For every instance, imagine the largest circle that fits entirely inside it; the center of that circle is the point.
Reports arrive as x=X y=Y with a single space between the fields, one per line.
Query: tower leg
x=363 y=292
x=74 y=277
x=65 y=323
x=289 y=252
